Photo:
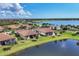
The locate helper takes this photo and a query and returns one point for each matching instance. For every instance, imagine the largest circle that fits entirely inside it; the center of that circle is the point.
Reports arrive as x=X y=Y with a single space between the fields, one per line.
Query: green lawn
x=22 y=44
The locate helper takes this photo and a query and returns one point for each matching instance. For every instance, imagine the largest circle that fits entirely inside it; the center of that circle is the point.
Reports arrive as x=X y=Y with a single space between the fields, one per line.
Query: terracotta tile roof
x=4 y=37
x=1 y=28
x=26 y=32
x=44 y=30
x=27 y=25
x=13 y=26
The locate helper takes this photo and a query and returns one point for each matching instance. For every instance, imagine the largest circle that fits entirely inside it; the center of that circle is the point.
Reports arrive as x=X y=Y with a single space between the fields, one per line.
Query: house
x=1 y=28
x=45 y=31
x=6 y=39
x=27 y=34
x=26 y=26
x=58 y=27
x=52 y=27
x=13 y=27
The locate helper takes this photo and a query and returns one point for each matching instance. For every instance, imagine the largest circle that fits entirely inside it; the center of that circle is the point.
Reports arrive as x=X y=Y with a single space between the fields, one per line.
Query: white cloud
x=13 y=10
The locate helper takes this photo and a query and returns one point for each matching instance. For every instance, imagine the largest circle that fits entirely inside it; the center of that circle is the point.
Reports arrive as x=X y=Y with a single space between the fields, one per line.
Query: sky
x=39 y=10
x=13 y=10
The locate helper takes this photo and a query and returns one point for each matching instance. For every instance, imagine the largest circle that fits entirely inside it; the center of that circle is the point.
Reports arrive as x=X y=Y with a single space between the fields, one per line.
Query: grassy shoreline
x=28 y=43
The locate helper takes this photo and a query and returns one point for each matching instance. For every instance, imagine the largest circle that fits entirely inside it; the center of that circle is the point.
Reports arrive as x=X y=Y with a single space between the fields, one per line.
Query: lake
x=59 y=22
x=57 y=48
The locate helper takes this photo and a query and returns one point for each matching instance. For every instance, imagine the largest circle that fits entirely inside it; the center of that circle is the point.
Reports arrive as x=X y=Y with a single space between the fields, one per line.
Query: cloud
x=13 y=10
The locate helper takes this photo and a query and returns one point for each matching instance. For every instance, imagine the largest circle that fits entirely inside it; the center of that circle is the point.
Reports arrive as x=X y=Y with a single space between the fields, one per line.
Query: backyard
x=22 y=44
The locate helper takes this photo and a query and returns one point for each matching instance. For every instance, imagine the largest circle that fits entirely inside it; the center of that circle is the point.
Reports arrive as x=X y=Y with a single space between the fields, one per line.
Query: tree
x=45 y=24
x=35 y=25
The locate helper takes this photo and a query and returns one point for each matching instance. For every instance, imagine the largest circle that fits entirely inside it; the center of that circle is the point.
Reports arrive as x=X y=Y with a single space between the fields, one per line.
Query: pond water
x=59 y=22
x=57 y=48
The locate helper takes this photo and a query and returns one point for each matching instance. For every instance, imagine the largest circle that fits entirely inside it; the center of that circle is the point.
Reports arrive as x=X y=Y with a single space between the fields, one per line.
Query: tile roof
x=1 y=28
x=27 y=25
x=13 y=26
x=4 y=36
x=44 y=30
x=26 y=32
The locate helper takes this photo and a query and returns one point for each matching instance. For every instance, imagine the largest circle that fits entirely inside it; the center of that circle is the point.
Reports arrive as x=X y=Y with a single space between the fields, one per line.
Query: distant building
x=1 y=28
x=26 y=34
x=26 y=26
x=52 y=27
x=13 y=27
x=6 y=39
x=58 y=27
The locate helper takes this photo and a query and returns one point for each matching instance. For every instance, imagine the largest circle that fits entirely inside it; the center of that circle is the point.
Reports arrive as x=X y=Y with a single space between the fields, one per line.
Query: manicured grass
x=22 y=44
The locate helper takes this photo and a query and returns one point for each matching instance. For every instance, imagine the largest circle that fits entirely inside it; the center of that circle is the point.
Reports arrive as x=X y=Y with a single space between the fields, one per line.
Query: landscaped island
x=19 y=35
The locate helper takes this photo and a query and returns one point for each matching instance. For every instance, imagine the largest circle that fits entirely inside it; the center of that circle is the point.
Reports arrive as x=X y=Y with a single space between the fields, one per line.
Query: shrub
x=6 y=48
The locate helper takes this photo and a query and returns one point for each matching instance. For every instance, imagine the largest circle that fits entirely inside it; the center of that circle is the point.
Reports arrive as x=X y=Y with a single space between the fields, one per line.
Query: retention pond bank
x=60 y=48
